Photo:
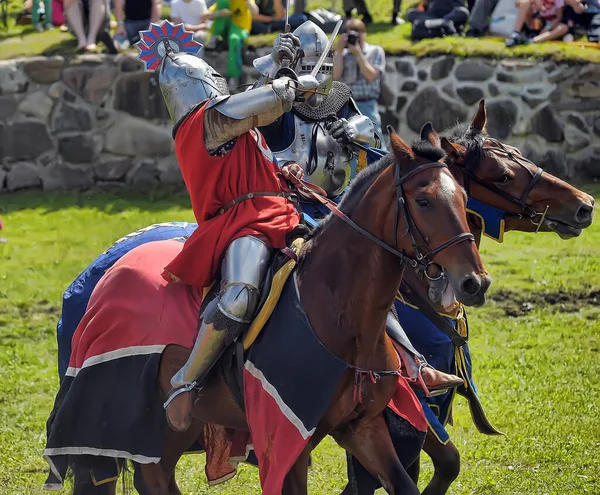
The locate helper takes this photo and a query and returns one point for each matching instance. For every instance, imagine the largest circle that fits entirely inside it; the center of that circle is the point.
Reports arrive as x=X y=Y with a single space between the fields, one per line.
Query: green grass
x=20 y=41
x=538 y=374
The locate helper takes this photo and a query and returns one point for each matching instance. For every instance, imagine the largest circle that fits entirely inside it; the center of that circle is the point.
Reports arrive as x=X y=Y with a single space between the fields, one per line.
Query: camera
x=352 y=37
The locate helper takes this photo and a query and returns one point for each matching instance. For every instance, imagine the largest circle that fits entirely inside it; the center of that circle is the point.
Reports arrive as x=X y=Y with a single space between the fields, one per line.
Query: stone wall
x=100 y=120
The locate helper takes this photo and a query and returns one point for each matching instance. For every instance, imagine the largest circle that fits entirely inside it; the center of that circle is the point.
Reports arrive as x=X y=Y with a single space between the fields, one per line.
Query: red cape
x=213 y=181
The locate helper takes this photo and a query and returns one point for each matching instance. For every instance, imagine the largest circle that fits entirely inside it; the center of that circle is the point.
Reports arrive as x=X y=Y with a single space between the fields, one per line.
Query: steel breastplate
x=325 y=162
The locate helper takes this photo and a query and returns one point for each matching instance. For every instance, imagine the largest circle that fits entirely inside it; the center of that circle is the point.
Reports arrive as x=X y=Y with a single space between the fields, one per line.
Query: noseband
x=474 y=158
x=420 y=261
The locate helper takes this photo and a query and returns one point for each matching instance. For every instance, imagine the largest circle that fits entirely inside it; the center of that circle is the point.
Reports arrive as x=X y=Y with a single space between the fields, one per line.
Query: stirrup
x=421 y=382
x=188 y=387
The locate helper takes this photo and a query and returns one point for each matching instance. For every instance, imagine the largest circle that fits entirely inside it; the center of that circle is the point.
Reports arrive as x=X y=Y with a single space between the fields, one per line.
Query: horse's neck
x=347 y=285
x=420 y=285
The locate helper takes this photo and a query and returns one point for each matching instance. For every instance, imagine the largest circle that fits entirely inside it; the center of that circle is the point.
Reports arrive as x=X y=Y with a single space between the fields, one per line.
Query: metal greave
x=226 y=317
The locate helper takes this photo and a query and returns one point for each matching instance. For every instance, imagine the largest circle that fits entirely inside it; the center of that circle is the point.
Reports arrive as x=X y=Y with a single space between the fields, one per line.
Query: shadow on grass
x=147 y=198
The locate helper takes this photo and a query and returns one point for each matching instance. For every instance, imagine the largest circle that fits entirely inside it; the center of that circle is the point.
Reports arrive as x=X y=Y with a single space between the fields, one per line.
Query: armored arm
x=356 y=128
x=227 y=118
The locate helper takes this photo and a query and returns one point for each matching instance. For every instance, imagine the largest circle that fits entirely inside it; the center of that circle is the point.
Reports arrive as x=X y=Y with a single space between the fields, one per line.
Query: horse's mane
x=465 y=135
x=361 y=183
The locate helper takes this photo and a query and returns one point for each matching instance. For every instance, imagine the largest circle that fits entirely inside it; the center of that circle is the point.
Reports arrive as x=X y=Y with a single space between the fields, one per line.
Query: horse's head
x=435 y=227
x=511 y=187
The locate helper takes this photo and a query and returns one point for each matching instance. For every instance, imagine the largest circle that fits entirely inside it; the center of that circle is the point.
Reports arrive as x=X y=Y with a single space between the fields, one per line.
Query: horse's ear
x=402 y=150
x=455 y=152
x=428 y=134
x=480 y=119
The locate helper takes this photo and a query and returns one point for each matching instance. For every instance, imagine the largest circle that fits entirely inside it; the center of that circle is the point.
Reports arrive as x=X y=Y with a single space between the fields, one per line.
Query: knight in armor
x=322 y=133
x=224 y=159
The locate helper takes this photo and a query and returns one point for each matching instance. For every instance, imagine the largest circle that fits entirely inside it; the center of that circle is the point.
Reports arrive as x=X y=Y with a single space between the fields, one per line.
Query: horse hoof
x=179 y=412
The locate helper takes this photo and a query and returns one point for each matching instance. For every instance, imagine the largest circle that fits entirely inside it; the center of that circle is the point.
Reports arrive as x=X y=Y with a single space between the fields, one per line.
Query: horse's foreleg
x=414 y=470
x=371 y=444
x=296 y=481
x=446 y=463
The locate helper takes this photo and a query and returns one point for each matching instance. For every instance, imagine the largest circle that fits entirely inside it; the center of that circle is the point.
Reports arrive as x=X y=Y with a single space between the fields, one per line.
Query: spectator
x=361 y=9
x=35 y=16
x=193 y=14
x=584 y=15
x=232 y=22
x=449 y=11
x=541 y=18
x=480 y=13
x=360 y=65
x=75 y=16
x=134 y=16
x=270 y=17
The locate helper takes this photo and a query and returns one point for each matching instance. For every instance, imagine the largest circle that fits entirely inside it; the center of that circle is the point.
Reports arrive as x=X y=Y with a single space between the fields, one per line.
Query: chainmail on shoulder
x=338 y=96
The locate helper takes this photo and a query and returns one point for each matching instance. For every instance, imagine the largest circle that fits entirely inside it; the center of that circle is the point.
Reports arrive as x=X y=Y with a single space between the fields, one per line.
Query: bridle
x=420 y=261
x=474 y=158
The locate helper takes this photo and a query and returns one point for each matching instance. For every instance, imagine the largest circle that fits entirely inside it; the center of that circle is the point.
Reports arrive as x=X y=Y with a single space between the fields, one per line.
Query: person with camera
x=360 y=65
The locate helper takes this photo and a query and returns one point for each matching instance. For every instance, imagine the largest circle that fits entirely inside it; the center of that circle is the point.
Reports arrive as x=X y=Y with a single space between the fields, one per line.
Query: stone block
x=12 y=77
x=38 y=105
x=169 y=171
x=400 y=102
x=59 y=176
x=23 y=175
x=561 y=103
x=501 y=117
x=3 y=174
x=562 y=73
x=139 y=95
x=575 y=139
x=554 y=162
x=469 y=94
x=80 y=148
x=409 y=86
x=429 y=106
x=127 y=63
x=584 y=165
x=389 y=118
x=71 y=117
x=24 y=140
x=584 y=89
x=143 y=172
x=44 y=70
x=577 y=120
x=448 y=88
x=112 y=168
x=127 y=135
x=405 y=67
x=441 y=68
x=8 y=107
x=422 y=75
x=493 y=89
x=590 y=72
x=474 y=70
x=547 y=123
x=597 y=126
x=90 y=81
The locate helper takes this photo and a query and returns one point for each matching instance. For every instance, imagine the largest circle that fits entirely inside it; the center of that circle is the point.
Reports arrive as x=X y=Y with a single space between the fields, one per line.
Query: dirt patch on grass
x=568 y=301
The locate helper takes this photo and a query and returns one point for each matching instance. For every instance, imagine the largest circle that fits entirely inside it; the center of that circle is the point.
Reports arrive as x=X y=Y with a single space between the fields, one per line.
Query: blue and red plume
x=163 y=37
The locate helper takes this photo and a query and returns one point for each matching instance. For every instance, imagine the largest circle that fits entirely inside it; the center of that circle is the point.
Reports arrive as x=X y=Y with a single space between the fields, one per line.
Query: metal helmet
x=313 y=41
x=186 y=81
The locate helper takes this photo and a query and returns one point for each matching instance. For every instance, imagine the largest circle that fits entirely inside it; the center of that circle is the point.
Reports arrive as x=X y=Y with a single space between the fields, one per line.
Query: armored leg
x=223 y=321
x=420 y=373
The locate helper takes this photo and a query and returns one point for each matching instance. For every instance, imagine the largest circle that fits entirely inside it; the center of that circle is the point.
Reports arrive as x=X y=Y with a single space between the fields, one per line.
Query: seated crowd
x=225 y=24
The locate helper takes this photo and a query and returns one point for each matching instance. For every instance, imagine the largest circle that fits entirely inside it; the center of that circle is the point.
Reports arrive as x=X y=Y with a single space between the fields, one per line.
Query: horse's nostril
x=470 y=285
x=584 y=214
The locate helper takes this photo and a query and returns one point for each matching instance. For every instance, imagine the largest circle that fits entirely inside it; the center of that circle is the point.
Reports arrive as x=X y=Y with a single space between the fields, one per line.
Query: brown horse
x=394 y=212
x=498 y=175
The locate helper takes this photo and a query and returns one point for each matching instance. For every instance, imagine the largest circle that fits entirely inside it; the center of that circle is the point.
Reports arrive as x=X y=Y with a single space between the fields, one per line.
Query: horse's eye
x=422 y=202
x=505 y=179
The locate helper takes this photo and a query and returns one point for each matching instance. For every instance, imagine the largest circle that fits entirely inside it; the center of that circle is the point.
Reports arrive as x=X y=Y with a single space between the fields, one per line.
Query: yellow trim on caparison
x=502 y=226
